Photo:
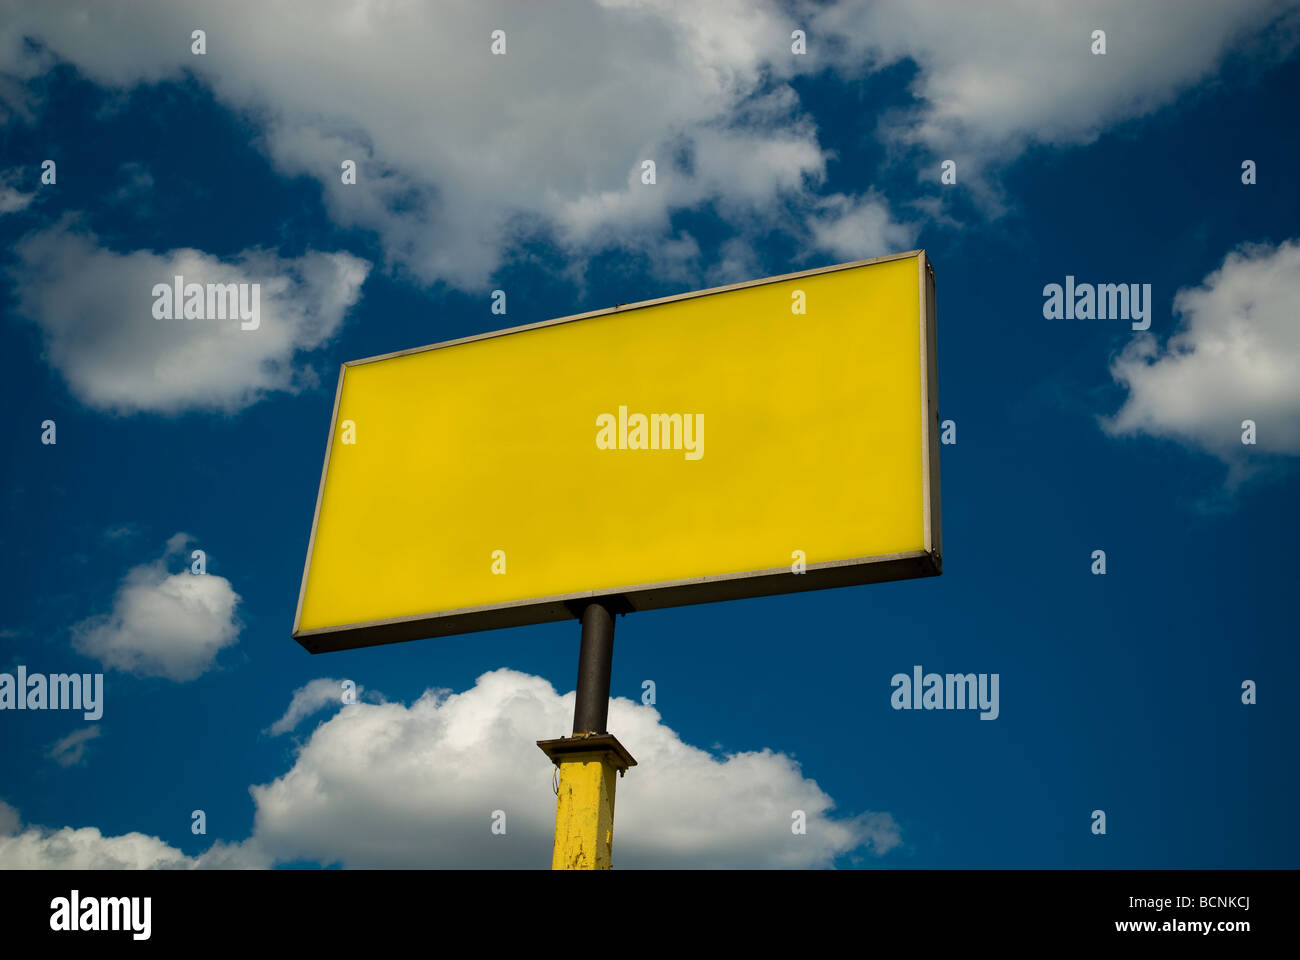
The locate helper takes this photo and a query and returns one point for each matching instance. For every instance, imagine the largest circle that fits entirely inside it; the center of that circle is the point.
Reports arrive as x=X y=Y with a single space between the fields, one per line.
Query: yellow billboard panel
x=766 y=437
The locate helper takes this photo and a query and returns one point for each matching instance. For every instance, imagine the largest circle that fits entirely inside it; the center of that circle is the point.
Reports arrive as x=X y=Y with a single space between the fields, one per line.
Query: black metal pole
x=596 y=656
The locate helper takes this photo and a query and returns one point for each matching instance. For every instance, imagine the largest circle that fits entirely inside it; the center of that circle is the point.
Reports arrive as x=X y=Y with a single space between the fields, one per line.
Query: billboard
x=765 y=437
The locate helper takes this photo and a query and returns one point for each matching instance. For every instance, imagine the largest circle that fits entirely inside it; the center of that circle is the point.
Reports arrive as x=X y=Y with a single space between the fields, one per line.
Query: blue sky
x=1120 y=692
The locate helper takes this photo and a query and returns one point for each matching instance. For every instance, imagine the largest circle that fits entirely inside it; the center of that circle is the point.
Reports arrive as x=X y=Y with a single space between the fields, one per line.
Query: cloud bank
x=388 y=785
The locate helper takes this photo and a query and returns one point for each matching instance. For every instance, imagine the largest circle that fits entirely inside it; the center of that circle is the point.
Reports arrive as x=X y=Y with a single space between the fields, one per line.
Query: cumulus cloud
x=85 y=848
x=69 y=751
x=314 y=696
x=95 y=309
x=461 y=153
x=9 y=820
x=995 y=77
x=391 y=786
x=549 y=138
x=395 y=786
x=854 y=228
x=1234 y=358
x=163 y=625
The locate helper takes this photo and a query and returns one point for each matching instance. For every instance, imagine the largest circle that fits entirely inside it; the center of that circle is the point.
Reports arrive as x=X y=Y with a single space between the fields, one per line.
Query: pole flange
x=604 y=746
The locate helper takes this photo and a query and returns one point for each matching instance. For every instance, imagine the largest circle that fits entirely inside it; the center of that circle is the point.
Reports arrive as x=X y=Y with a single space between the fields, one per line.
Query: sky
x=1153 y=693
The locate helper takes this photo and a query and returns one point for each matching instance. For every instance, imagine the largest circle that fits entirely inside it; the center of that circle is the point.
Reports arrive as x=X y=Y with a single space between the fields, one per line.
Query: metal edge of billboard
x=653 y=596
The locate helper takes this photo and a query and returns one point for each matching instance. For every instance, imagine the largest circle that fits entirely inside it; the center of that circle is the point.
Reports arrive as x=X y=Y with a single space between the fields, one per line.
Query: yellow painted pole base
x=584 y=813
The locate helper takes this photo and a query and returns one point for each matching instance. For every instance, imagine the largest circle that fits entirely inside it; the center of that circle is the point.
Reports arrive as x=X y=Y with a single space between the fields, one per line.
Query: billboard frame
x=927 y=562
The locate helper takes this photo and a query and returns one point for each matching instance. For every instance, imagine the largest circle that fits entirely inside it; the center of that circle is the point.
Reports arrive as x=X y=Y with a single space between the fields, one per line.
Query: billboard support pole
x=589 y=759
x=595 y=658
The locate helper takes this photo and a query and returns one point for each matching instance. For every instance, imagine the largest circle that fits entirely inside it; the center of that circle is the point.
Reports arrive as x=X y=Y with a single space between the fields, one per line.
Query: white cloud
x=315 y=695
x=1234 y=358
x=9 y=820
x=13 y=200
x=85 y=848
x=69 y=751
x=856 y=228
x=390 y=786
x=95 y=309
x=994 y=77
x=461 y=153
x=163 y=625
x=395 y=786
